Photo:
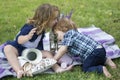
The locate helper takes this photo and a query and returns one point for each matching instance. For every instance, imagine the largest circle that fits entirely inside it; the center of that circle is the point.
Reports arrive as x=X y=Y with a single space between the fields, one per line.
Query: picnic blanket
x=107 y=40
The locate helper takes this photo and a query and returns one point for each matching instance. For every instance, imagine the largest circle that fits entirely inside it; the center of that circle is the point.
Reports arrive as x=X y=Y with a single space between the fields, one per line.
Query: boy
x=92 y=53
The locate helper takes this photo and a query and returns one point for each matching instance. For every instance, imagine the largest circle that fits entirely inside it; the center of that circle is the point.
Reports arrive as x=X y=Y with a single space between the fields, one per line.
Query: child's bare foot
x=111 y=63
x=20 y=73
x=106 y=72
x=27 y=69
x=59 y=70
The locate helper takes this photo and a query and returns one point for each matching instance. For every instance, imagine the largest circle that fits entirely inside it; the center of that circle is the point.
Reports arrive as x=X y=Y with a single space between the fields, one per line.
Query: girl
x=92 y=53
x=31 y=35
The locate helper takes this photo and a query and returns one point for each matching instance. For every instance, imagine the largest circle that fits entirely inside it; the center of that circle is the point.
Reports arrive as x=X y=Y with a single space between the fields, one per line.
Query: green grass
x=102 y=13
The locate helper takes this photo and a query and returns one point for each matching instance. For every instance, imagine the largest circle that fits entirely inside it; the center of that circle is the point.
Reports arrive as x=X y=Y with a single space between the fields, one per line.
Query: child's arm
x=24 y=38
x=62 y=50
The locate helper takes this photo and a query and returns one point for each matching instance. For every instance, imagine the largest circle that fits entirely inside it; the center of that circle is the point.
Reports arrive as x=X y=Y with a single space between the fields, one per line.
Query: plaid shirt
x=79 y=44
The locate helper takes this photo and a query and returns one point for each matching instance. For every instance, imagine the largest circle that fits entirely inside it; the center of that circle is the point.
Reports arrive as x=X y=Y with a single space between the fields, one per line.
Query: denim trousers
x=95 y=61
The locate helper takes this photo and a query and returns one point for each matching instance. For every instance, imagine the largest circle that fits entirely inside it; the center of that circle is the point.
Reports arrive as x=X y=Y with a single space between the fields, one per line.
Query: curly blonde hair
x=43 y=15
x=64 y=25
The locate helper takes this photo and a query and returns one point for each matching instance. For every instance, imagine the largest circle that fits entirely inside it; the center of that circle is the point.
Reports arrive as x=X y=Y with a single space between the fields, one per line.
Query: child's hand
x=31 y=33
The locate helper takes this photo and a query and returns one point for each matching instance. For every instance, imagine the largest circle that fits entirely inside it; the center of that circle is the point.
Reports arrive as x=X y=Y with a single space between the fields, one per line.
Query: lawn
x=102 y=13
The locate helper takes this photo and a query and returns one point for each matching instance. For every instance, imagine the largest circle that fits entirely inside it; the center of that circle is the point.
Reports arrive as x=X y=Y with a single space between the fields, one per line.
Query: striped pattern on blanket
x=108 y=41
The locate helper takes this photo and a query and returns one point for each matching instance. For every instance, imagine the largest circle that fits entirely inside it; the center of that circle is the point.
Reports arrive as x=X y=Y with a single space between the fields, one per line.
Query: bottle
x=46 y=42
x=52 y=44
x=61 y=16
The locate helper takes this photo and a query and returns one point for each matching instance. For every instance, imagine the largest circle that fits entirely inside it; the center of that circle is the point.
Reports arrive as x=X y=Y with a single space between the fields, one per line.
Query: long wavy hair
x=43 y=15
x=64 y=25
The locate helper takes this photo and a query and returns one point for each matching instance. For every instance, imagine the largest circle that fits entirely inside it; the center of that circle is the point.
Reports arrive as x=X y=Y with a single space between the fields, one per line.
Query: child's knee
x=9 y=47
